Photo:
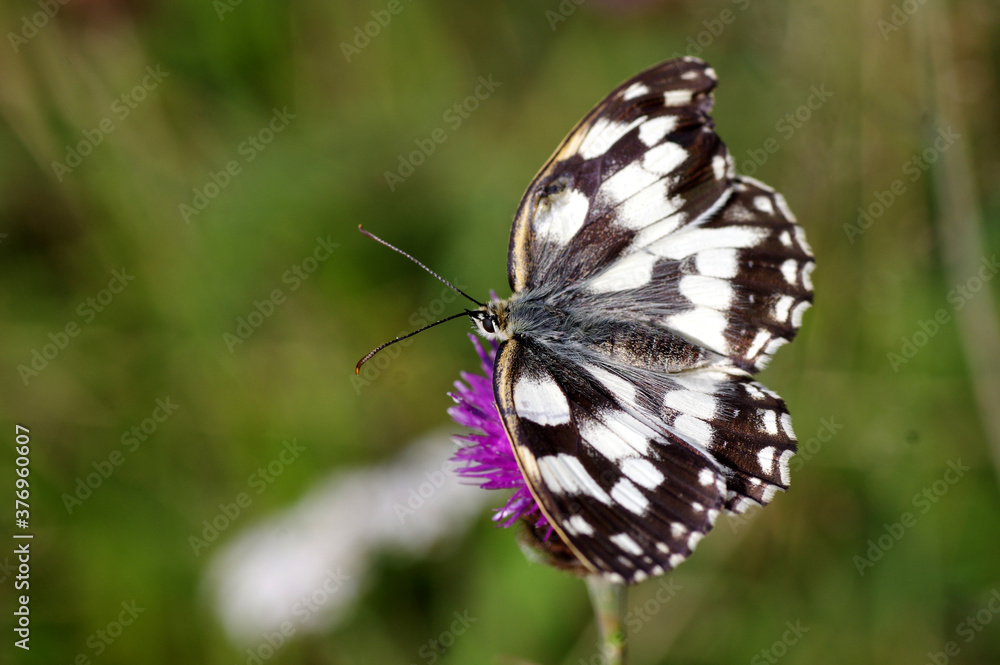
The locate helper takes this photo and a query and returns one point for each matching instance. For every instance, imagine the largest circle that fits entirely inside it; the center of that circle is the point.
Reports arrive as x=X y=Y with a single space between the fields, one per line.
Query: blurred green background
x=201 y=149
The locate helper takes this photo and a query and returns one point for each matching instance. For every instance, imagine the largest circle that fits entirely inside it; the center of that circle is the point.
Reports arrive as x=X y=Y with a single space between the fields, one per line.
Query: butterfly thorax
x=587 y=335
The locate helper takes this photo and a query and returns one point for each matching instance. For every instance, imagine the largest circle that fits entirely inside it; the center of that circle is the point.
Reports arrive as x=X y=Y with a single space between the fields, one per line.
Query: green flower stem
x=608 y=599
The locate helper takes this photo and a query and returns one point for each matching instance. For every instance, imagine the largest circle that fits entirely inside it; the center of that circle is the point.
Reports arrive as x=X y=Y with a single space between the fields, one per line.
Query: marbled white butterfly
x=650 y=282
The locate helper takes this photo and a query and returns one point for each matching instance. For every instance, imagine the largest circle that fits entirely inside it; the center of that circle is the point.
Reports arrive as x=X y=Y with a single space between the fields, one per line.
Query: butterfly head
x=491 y=320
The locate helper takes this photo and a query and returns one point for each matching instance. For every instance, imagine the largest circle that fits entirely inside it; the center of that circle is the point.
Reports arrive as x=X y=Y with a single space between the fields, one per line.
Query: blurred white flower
x=305 y=566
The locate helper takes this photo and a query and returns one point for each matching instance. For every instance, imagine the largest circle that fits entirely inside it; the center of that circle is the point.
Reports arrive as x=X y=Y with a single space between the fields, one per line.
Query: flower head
x=486 y=455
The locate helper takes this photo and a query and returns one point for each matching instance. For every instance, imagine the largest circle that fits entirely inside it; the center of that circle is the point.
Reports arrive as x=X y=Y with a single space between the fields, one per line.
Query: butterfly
x=649 y=282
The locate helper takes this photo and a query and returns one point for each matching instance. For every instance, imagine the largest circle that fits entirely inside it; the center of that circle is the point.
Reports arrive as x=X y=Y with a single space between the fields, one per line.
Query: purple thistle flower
x=486 y=456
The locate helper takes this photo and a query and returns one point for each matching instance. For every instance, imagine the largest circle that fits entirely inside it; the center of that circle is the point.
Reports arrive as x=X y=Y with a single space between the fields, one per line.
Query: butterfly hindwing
x=628 y=498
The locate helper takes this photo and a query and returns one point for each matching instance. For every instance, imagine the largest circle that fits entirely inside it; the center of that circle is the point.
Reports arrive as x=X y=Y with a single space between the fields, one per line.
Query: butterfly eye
x=487 y=324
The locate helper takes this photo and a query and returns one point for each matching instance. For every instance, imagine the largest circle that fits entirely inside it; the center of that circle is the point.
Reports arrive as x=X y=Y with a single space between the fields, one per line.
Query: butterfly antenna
x=398 y=250
x=357 y=369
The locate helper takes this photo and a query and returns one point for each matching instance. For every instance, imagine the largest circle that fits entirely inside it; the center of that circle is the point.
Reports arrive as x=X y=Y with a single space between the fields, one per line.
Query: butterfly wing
x=646 y=152
x=639 y=214
x=630 y=501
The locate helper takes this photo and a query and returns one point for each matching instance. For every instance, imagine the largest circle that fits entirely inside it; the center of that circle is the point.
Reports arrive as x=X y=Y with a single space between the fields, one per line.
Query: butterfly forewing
x=643 y=161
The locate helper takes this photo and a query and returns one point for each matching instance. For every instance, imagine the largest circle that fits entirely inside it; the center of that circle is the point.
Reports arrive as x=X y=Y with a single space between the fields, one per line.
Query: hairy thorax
x=635 y=343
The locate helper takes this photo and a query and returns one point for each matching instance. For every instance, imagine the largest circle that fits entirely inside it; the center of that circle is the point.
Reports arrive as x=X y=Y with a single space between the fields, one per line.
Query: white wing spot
x=652 y=131
x=783 y=206
x=797 y=313
x=758 y=343
x=704 y=325
x=676 y=560
x=786 y=425
x=696 y=432
x=774 y=345
x=541 y=400
x=782 y=308
x=719 y=167
x=603 y=134
x=786 y=476
x=631 y=272
x=565 y=473
x=770 y=420
x=677 y=530
x=562 y=216
x=642 y=472
x=614 y=438
x=629 y=496
x=664 y=158
x=763 y=204
x=790 y=270
x=697 y=239
x=807 y=270
x=707 y=291
x=786 y=238
x=694 y=539
x=691 y=403
x=722 y=263
x=637 y=89
x=677 y=97
x=625 y=541
x=625 y=183
x=706 y=477
x=576 y=524
x=765 y=458
x=647 y=207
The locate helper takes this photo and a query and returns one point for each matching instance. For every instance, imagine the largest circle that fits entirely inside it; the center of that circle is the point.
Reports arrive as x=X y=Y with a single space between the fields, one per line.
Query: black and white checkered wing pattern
x=644 y=161
x=627 y=497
